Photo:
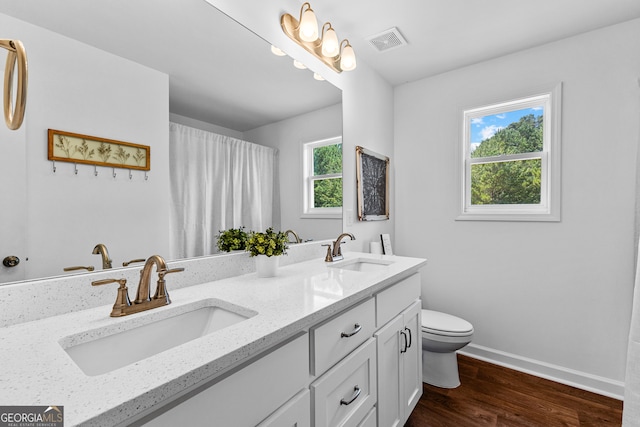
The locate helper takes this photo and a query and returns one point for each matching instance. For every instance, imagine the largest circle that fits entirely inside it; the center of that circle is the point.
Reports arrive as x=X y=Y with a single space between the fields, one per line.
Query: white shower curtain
x=217 y=183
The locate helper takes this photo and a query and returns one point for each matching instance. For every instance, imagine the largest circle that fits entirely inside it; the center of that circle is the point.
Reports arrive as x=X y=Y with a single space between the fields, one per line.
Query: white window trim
x=549 y=208
x=307 y=186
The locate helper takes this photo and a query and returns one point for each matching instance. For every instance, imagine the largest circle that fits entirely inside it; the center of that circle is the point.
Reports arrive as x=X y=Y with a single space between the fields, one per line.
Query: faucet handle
x=329 y=257
x=126 y=263
x=122 y=299
x=161 y=289
x=79 y=267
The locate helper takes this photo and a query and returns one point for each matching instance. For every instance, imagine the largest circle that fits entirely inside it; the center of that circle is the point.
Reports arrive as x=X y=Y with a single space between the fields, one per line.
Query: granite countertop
x=36 y=370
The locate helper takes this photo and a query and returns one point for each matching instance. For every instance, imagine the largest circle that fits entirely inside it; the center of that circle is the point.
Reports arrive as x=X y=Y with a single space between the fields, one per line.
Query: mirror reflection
x=190 y=65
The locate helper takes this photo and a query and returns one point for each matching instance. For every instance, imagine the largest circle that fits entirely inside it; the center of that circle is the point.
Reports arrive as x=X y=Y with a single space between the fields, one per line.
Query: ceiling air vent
x=387 y=40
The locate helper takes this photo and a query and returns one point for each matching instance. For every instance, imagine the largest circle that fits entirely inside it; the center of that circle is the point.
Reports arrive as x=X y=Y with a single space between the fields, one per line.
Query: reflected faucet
x=335 y=254
x=295 y=236
x=102 y=250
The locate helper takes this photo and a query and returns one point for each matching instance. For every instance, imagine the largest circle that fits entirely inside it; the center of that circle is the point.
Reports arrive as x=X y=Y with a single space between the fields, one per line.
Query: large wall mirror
x=222 y=78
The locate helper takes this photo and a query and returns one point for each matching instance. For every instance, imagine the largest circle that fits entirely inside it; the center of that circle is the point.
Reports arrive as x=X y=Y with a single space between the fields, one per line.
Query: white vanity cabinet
x=359 y=368
x=399 y=353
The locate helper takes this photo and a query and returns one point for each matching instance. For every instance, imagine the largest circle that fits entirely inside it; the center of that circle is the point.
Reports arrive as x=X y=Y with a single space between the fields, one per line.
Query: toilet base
x=440 y=369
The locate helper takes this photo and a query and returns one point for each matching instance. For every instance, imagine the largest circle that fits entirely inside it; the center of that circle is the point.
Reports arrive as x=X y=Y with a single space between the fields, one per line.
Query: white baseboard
x=581 y=380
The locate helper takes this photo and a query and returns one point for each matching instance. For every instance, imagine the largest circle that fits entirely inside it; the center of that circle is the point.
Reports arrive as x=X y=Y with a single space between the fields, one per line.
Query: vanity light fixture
x=16 y=58
x=337 y=55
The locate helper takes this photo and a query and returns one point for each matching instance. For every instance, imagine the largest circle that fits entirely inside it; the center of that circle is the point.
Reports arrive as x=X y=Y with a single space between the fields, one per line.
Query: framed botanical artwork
x=92 y=150
x=372 y=180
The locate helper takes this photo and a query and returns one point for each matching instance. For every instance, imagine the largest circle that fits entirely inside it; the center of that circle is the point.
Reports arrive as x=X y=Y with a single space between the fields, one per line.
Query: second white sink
x=363 y=264
x=119 y=349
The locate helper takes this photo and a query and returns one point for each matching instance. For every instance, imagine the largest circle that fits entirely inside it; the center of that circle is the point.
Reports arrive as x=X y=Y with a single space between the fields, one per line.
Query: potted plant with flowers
x=233 y=239
x=267 y=247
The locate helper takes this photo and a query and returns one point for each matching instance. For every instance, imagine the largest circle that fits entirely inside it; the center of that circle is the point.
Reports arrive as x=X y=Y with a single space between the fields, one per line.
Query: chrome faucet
x=123 y=305
x=102 y=250
x=335 y=254
x=295 y=236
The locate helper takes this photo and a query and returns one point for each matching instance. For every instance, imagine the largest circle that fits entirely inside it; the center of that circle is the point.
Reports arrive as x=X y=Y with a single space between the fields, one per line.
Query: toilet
x=442 y=335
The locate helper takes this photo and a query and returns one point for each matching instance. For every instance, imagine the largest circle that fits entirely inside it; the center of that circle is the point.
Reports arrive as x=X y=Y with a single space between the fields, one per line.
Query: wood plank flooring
x=491 y=395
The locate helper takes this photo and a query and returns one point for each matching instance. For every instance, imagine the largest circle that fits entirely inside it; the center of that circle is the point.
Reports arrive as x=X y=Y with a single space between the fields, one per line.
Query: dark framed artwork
x=372 y=180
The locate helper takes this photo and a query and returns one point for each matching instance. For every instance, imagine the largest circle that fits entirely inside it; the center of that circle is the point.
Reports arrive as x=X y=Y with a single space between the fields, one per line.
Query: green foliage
x=327 y=159
x=268 y=243
x=232 y=239
x=511 y=182
x=327 y=193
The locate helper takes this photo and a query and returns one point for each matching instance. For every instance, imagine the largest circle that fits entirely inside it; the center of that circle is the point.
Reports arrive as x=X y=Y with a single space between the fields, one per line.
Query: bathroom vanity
x=320 y=344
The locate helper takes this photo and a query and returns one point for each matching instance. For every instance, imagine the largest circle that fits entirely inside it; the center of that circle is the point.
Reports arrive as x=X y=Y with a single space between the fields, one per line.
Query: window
x=511 y=160
x=322 y=170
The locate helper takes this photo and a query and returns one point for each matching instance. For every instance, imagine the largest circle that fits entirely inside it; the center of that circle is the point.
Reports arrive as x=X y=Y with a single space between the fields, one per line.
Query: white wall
x=288 y=136
x=367 y=102
x=76 y=88
x=551 y=297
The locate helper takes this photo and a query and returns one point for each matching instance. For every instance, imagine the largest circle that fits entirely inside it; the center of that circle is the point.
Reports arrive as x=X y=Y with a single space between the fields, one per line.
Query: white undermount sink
x=122 y=348
x=364 y=265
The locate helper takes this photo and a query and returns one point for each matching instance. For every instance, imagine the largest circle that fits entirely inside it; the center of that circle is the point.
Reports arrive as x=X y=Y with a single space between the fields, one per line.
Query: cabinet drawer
x=337 y=337
x=295 y=413
x=348 y=391
x=261 y=386
x=396 y=298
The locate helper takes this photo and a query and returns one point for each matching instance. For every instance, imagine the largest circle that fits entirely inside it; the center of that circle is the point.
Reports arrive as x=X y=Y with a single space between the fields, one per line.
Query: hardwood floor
x=491 y=395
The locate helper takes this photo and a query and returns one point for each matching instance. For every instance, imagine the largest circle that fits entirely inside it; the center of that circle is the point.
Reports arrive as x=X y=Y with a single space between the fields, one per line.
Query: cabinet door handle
x=408 y=330
x=354 y=396
x=404 y=350
x=356 y=329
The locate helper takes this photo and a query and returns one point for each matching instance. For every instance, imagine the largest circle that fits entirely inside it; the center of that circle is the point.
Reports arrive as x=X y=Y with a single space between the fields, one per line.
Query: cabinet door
x=411 y=363
x=390 y=400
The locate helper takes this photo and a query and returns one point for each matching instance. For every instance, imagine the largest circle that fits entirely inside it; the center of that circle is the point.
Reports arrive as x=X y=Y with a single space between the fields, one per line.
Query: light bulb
x=348 y=58
x=308 y=31
x=330 y=45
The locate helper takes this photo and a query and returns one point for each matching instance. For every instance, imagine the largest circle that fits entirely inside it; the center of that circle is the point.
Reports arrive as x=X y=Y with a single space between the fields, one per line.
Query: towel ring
x=14 y=115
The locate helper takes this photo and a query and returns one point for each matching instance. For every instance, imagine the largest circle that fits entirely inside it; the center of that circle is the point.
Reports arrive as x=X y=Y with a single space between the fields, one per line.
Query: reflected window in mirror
x=322 y=177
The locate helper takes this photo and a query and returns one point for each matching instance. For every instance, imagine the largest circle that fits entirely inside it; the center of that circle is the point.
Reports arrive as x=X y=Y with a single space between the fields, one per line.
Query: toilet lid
x=443 y=322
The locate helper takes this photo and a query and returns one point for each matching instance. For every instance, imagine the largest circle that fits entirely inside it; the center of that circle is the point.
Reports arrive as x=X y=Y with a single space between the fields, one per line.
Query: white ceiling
x=217 y=82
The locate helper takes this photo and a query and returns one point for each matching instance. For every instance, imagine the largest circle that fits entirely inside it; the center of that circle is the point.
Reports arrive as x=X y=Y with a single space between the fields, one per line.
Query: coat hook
x=114 y=172
x=146 y=177
x=75 y=167
x=130 y=175
x=95 y=170
x=54 y=166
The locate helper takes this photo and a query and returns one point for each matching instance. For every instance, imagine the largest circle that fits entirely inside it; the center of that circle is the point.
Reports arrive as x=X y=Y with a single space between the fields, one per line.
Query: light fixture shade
x=330 y=44
x=277 y=51
x=347 y=58
x=299 y=65
x=308 y=30
x=318 y=77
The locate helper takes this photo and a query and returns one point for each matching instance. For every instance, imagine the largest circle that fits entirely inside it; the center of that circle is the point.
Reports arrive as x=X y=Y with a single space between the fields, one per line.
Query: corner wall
x=553 y=299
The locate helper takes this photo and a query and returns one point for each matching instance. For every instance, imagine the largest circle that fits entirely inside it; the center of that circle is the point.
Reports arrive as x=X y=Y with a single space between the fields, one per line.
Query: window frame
x=308 y=179
x=549 y=207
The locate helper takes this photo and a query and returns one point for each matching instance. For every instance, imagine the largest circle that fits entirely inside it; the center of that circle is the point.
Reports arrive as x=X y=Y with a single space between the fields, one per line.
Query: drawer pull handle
x=356 y=329
x=354 y=396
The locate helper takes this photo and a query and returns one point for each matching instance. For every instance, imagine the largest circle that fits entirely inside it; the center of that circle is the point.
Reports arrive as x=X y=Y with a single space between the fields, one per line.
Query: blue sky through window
x=485 y=127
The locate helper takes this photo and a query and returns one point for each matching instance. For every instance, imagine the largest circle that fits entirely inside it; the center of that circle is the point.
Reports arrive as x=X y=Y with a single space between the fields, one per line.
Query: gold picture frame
x=372 y=180
x=93 y=150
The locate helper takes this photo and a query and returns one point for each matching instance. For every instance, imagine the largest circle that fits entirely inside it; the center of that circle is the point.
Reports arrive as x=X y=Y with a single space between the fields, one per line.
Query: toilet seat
x=437 y=323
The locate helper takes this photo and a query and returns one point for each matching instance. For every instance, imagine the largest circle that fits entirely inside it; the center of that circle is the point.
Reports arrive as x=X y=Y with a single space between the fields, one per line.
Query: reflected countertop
x=38 y=371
